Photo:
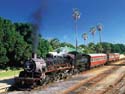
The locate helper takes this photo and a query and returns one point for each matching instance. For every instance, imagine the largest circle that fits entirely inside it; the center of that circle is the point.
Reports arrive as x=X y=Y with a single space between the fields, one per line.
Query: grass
x=9 y=73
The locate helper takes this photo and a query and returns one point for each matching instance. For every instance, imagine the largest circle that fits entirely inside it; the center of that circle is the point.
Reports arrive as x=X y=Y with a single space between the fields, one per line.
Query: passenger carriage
x=97 y=59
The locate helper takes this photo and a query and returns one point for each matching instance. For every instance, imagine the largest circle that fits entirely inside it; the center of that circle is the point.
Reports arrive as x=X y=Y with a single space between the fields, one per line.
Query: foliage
x=25 y=29
x=104 y=47
x=44 y=47
x=99 y=48
x=54 y=43
x=63 y=44
x=92 y=47
x=3 y=57
x=12 y=44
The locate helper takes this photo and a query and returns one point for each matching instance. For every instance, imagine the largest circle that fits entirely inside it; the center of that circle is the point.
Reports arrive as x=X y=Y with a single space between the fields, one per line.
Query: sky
x=57 y=20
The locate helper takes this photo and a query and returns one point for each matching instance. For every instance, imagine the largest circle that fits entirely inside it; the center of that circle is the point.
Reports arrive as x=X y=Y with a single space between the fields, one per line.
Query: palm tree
x=85 y=37
x=76 y=16
x=99 y=28
x=93 y=30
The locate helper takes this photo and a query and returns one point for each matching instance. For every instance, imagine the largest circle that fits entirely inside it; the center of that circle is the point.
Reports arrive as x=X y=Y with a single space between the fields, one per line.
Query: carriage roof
x=99 y=54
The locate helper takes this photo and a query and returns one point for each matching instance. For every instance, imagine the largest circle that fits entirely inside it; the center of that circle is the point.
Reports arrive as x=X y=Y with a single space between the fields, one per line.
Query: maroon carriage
x=97 y=59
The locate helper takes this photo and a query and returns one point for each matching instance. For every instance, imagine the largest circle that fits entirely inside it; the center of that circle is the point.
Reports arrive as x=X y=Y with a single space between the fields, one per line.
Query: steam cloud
x=37 y=22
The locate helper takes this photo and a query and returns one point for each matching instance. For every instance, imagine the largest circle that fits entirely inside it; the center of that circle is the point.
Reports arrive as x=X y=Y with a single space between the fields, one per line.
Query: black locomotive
x=38 y=71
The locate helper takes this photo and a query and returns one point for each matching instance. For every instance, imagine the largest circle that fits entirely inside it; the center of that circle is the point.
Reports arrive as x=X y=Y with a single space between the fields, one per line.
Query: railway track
x=4 y=89
x=118 y=87
x=84 y=87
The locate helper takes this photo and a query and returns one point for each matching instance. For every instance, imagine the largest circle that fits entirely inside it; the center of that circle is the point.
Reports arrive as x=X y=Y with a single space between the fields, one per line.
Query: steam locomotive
x=38 y=71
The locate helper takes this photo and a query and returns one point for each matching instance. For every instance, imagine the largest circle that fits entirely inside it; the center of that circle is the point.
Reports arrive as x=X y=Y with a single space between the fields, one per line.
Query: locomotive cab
x=81 y=61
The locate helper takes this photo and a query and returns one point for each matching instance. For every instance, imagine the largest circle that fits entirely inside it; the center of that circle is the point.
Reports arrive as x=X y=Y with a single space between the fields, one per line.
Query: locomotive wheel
x=41 y=82
x=51 y=76
x=71 y=72
x=76 y=71
x=62 y=75
x=66 y=74
x=58 y=77
x=33 y=85
x=47 y=79
x=87 y=66
x=44 y=82
x=54 y=76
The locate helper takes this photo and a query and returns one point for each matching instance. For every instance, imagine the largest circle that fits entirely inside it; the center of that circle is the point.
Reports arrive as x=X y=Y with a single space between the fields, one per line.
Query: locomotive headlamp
x=29 y=66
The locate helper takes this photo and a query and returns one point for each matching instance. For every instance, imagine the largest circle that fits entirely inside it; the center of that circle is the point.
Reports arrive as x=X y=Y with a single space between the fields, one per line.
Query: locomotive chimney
x=34 y=55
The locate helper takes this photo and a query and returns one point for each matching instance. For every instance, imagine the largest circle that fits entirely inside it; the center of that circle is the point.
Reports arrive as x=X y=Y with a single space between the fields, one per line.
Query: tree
x=99 y=48
x=63 y=44
x=25 y=29
x=106 y=47
x=55 y=43
x=91 y=47
x=12 y=44
x=122 y=48
x=93 y=30
x=22 y=49
x=84 y=48
x=85 y=37
x=44 y=47
x=3 y=57
x=99 y=28
x=117 y=48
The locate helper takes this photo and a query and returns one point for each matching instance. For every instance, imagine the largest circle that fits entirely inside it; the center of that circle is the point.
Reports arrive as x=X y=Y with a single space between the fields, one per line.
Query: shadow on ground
x=7 y=81
x=115 y=65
